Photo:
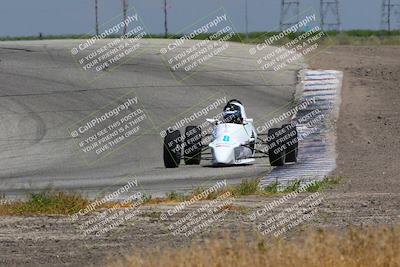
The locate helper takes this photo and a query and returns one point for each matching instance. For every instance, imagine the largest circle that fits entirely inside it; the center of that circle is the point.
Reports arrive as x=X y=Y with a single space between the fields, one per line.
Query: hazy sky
x=29 y=17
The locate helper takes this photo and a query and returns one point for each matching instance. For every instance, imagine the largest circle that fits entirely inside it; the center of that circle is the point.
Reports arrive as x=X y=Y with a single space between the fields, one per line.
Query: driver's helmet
x=232 y=114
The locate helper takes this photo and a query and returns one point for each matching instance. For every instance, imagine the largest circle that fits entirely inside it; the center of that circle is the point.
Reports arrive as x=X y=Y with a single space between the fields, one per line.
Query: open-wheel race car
x=233 y=141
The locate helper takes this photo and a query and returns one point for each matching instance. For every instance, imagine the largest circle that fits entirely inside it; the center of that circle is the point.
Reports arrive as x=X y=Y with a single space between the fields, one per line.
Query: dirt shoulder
x=368 y=147
x=368 y=127
x=368 y=131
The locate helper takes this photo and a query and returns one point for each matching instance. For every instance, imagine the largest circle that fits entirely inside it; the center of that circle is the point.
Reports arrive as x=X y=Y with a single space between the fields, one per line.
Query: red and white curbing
x=317 y=136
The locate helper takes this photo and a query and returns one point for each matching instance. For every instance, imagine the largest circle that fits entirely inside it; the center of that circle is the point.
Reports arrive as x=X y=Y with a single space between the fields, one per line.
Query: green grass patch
x=351 y=37
x=213 y=195
x=175 y=196
x=292 y=186
x=46 y=203
x=246 y=187
x=54 y=203
x=60 y=203
x=251 y=187
x=327 y=183
x=272 y=188
x=298 y=185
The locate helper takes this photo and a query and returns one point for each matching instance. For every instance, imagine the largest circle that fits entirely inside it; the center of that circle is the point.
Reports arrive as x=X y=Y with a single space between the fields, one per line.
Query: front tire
x=192 y=148
x=172 y=149
x=276 y=152
x=292 y=143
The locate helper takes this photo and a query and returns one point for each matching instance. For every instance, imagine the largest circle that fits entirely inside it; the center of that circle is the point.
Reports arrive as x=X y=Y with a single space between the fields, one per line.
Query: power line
x=330 y=17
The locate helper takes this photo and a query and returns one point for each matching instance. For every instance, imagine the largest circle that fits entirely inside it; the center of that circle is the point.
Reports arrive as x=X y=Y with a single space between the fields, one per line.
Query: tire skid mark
x=24 y=118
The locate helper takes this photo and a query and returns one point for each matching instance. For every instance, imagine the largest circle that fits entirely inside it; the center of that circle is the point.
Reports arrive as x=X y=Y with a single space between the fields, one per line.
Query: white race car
x=233 y=141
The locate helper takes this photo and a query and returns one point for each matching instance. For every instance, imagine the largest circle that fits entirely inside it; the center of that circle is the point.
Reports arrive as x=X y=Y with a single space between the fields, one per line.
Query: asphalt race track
x=43 y=91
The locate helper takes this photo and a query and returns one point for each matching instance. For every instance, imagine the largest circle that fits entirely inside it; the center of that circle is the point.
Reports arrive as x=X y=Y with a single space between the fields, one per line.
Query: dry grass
x=367 y=247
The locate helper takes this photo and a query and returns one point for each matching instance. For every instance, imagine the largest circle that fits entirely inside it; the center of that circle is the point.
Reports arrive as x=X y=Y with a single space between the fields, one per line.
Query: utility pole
x=165 y=19
x=290 y=10
x=246 y=8
x=124 y=11
x=96 y=11
x=330 y=17
x=390 y=13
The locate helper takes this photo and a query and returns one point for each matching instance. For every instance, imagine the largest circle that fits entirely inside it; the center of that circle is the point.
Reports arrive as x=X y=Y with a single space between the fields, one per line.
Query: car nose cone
x=223 y=155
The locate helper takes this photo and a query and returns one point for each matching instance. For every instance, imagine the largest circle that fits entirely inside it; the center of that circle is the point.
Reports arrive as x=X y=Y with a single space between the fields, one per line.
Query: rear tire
x=276 y=158
x=292 y=144
x=172 y=149
x=192 y=148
